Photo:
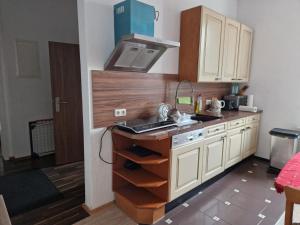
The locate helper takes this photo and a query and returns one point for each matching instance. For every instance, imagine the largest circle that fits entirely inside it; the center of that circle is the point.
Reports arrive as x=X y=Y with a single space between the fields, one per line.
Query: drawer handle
x=242 y=130
x=216 y=130
x=237 y=123
x=247 y=128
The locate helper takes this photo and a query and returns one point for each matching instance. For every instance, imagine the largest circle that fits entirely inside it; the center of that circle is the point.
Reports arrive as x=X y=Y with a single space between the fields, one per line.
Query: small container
x=132 y=16
x=198 y=107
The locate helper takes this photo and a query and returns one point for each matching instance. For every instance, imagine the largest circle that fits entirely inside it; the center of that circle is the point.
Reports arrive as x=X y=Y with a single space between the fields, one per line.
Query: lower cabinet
x=213 y=156
x=250 y=139
x=234 y=147
x=186 y=167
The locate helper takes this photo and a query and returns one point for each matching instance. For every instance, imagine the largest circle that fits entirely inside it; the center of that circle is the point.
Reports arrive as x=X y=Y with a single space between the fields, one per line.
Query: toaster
x=232 y=102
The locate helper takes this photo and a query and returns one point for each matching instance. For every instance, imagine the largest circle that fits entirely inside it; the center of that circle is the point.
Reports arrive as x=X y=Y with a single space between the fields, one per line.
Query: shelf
x=152 y=159
x=140 y=197
x=140 y=178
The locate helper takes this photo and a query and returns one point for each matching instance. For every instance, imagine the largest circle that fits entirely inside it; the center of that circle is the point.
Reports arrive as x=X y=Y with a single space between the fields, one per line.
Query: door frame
x=5 y=137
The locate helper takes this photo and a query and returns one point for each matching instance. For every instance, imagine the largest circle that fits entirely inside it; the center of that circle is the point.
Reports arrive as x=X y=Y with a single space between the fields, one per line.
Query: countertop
x=169 y=132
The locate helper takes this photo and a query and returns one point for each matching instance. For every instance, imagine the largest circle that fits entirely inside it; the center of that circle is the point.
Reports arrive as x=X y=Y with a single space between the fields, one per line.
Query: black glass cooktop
x=144 y=125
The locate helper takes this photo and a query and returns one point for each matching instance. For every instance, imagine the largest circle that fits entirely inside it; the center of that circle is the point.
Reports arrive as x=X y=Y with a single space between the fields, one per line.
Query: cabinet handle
x=222 y=138
x=217 y=78
x=242 y=130
x=247 y=128
x=216 y=130
x=237 y=123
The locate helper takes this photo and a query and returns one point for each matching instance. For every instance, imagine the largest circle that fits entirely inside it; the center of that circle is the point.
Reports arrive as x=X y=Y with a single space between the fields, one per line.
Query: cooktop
x=144 y=125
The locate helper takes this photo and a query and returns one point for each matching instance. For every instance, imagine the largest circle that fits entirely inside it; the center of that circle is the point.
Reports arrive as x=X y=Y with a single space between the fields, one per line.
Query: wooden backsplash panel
x=140 y=94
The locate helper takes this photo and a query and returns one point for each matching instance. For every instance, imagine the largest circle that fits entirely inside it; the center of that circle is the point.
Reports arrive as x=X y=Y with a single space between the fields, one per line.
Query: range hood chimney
x=137 y=53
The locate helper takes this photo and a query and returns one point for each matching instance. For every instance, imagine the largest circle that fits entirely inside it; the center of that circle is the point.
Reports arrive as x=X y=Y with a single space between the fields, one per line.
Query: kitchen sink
x=205 y=118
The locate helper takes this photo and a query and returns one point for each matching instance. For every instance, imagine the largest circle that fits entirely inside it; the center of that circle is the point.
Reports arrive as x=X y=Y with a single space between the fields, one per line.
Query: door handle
x=57 y=104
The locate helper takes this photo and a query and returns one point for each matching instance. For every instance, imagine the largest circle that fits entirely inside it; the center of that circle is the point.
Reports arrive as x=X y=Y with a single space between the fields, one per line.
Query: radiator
x=42 y=137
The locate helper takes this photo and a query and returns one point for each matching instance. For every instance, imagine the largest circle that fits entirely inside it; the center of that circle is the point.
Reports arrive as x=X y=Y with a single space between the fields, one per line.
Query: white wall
x=275 y=74
x=96 y=36
x=30 y=99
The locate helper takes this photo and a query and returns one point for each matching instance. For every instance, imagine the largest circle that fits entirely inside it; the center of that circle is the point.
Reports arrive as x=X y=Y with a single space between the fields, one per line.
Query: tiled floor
x=245 y=196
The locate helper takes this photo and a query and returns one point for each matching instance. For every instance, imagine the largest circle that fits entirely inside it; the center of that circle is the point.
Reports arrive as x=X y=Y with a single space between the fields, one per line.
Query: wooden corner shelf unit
x=141 y=193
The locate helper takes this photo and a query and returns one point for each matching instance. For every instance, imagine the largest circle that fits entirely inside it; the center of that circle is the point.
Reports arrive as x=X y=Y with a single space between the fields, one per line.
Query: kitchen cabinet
x=234 y=146
x=245 y=52
x=213 y=48
x=231 y=50
x=250 y=139
x=201 y=39
x=186 y=168
x=213 y=156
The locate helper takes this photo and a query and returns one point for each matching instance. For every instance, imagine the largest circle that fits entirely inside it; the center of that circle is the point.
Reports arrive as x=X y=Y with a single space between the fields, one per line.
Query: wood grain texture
x=189 y=44
x=66 y=84
x=141 y=94
x=69 y=180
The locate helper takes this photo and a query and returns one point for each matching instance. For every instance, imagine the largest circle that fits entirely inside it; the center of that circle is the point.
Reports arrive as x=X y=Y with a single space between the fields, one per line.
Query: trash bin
x=284 y=145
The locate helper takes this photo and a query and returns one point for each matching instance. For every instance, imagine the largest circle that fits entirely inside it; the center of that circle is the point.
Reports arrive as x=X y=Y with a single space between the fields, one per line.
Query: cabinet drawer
x=217 y=129
x=236 y=123
x=252 y=119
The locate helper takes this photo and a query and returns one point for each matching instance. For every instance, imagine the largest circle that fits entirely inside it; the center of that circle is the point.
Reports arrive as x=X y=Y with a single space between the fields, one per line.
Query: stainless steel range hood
x=137 y=53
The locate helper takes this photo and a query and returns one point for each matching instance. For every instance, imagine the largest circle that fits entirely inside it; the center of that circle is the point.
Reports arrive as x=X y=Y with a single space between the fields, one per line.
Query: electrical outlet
x=120 y=112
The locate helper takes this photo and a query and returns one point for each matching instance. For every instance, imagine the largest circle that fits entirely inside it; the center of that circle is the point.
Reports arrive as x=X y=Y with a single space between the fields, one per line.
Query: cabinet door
x=211 y=45
x=186 y=169
x=213 y=156
x=231 y=48
x=245 y=52
x=250 y=139
x=234 y=147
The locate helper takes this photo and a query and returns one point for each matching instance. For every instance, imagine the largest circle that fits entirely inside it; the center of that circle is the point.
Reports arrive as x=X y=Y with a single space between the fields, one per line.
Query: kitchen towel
x=248 y=108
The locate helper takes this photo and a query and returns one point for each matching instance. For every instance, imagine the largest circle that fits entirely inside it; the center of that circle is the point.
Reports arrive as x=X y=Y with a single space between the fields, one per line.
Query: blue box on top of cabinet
x=132 y=16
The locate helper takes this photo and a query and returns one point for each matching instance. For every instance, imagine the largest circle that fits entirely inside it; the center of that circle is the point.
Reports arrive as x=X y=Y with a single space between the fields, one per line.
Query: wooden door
x=234 y=147
x=231 y=49
x=245 y=53
x=213 y=157
x=67 y=102
x=211 y=50
x=250 y=139
x=186 y=169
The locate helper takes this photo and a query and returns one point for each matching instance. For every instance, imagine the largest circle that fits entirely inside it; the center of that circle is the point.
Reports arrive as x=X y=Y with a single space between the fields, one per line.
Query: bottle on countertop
x=198 y=107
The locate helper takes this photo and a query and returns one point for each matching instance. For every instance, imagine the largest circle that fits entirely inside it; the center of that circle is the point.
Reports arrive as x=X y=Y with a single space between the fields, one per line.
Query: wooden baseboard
x=96 y=210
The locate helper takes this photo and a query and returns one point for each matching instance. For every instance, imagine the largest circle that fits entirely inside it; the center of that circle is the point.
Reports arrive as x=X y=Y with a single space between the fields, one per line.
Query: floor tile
x=239 y=198
x=232 y=214
x=190 y=217
x=247 y=202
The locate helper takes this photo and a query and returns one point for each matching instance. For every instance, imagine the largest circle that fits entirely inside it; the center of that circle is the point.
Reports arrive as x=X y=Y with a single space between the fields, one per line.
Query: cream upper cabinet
x=186 y=167
x=250 y=139
x=211 y=45
x=213 y=48
x=231 y=50
x=245 y=53
x=213 y=156
x=234 y=147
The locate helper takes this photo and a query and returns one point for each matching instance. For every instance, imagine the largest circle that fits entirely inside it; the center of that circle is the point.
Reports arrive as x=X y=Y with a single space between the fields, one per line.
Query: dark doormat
x=27 y=190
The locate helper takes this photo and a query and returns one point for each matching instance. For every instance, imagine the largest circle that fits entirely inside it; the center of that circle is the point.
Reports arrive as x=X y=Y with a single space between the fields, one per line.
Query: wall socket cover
x=208 y=101
x=120 y=112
